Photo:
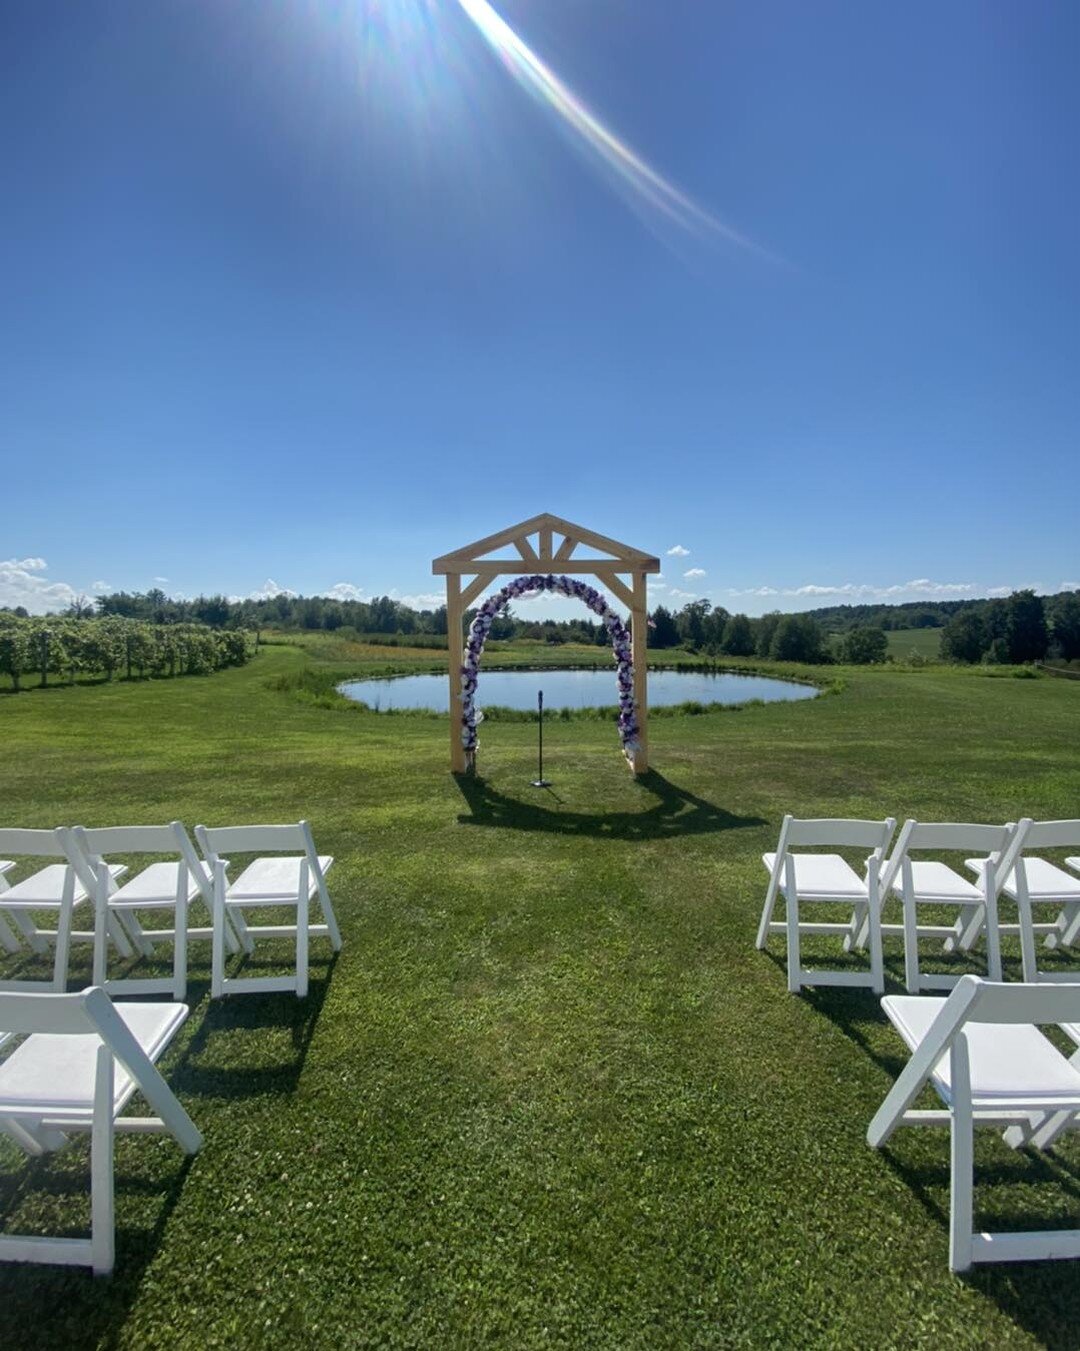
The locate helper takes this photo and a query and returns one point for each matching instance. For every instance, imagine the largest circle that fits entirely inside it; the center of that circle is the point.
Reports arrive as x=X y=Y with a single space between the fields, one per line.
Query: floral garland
x=565 y=586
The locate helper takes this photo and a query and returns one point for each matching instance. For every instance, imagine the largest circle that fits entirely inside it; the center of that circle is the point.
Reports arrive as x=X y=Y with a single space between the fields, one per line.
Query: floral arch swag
x=544 y=544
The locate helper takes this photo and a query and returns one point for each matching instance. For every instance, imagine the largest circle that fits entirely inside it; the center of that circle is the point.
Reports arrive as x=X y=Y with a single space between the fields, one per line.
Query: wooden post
x=455 y=648
x=639 y=640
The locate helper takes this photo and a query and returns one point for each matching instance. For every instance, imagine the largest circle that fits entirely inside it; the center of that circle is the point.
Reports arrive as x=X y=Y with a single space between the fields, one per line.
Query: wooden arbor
x=546 y=544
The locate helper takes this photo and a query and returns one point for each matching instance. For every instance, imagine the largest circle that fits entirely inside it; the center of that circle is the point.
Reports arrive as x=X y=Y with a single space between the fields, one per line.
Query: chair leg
x=118 y=936
x=8 y=941
x=217 y=947
x=961 y=1140
x=141 y=942
x=180 y=928
x=854 y=940
x=1028 y=956
x=911 y=946
x=794 y=953
x=63 y=946
x=25 y=925
x=993 y=939
x=1072 y=928
x=101 y=940
x=330 y=918
x=877 y=956
x=302 y=907
x=968 y=931
x=240 y=925
x=103 y=1220
x=767 y=914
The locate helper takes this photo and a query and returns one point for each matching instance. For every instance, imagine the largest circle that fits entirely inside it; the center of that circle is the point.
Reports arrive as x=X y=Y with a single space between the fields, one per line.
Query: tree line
x=67 y=648
x=1022 y=628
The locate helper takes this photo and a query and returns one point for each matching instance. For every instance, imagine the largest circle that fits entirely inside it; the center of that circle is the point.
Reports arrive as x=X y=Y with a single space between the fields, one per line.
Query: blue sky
x=314 y=290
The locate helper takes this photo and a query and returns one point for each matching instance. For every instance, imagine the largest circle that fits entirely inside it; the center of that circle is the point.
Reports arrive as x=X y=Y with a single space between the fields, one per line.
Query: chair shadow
x=67 y=1306
x=52 y=1306
x=198 y=1072
x=1041 y=1297
x=675 y=812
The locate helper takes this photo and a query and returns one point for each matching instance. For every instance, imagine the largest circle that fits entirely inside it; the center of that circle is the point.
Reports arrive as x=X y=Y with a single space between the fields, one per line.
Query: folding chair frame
x=275 y=839
x=1032 y=1122
x=822 y=833
x=38 y=1133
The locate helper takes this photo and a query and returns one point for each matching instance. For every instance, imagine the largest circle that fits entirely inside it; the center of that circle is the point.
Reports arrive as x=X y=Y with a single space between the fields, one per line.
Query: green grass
x=925 y=642
x=549 y=1094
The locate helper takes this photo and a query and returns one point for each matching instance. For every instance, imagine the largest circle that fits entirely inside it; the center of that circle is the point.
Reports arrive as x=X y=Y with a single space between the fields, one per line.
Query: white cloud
x=677 y=551
x=101 y=586
x=161 y=581
x=1069 y=586
x=852 y=591
x=655 y=584
x=684 y=595
x=344 y=591
x=423 y=600
x=269 y=590
x=695 y=572
x=21 y=583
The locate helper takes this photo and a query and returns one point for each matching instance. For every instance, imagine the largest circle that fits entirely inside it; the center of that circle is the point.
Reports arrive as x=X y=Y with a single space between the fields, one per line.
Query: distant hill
x=919 y=614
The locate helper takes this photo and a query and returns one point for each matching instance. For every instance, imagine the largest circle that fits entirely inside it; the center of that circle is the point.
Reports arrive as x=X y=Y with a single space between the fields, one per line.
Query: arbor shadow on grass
x=675 y=812
x=1041 y=1297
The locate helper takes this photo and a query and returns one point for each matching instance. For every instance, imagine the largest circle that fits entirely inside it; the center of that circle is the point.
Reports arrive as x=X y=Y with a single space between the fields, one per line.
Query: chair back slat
x=837 y=832
x=982 y=839
x=1052 y=835
x=101 y=840
x=35 y=843
x=22 y=1012
x=217 y=840
x=1024 y=1003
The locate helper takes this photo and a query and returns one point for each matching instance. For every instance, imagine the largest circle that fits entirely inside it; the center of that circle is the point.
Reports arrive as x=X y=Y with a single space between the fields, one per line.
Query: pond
x=572 y=689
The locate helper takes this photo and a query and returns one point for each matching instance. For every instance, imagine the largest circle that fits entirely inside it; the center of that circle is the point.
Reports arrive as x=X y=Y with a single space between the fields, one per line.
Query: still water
x=572 y=689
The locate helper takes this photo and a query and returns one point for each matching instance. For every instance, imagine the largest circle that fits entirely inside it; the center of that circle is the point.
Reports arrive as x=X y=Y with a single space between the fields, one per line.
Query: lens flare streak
x=540 y=81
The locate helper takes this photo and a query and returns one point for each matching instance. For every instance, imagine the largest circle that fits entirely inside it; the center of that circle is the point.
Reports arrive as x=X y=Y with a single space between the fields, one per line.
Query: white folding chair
x=166 y=885
x=1037 y=881
x=82 y=1061
x=983 y=1053
x=55 y=889
x=926 y=882
x=829 y=879
x=275 y=882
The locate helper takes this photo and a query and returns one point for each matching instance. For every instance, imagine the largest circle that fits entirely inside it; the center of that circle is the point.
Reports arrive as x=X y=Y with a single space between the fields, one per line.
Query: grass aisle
x=548 y=1094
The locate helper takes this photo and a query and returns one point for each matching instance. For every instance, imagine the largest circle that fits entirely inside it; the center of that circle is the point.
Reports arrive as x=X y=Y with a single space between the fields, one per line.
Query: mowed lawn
x=903 y=643
x=549 y=1094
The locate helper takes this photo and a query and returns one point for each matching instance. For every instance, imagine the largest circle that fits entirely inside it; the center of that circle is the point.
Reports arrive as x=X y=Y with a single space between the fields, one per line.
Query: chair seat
x=822 y=877
x=273 y=881
x=45 y=889
x=936 y=882
x=153 y=888
x=1046 y=881
x=52 y=1075
x=1010 y=1063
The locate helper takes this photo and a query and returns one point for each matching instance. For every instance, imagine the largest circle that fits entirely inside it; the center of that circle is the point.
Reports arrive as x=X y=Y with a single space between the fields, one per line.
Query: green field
x=548 y=1094
x=925 y=642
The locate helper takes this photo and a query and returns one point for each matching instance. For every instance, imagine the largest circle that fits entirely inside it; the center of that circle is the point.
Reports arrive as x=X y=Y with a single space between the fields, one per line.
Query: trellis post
x=546 y=556
x=639 y=641
x=454 y=615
